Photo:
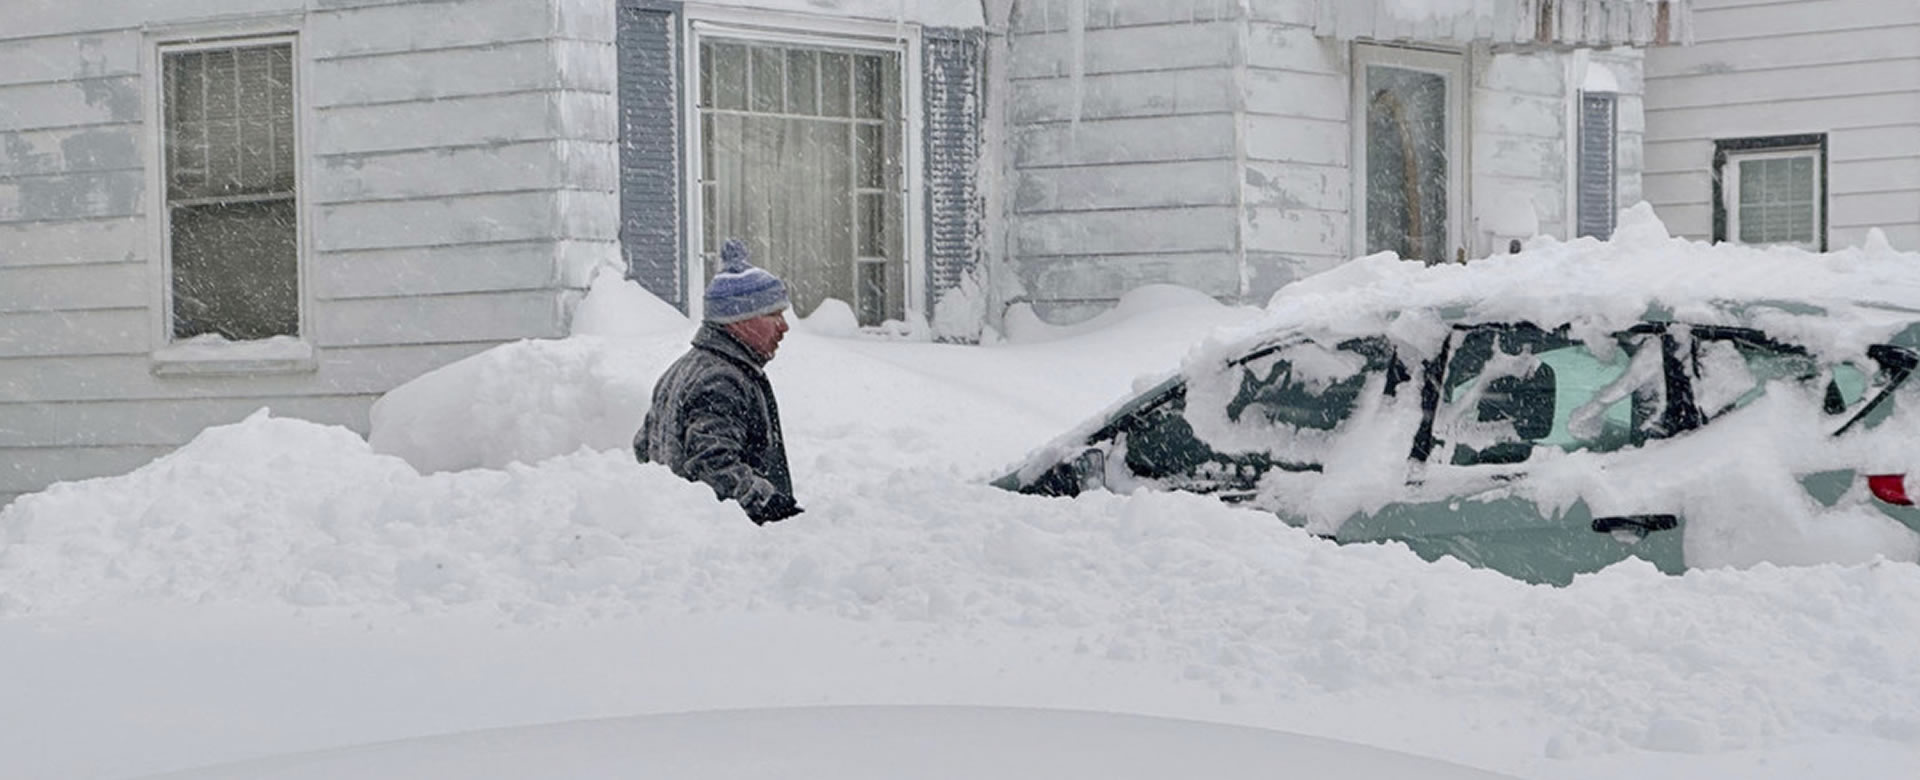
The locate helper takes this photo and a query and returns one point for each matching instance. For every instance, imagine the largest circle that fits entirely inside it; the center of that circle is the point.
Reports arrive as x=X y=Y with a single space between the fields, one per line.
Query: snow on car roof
x=1836 y=302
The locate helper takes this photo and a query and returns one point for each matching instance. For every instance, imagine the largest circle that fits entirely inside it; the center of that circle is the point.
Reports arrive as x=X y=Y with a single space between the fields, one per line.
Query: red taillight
x=1891 y=488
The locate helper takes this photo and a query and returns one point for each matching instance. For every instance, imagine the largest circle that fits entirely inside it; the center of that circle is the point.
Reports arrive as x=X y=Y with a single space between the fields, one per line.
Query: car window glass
x=1509 y=390
x=1731 y=374
x=1302 y=386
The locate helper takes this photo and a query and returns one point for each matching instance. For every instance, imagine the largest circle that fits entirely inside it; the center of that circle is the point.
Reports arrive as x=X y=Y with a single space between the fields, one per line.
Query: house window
x=1408 y=180
x=229 y=160
x=1771 y=191
x=800 y=156
x=1596 y=174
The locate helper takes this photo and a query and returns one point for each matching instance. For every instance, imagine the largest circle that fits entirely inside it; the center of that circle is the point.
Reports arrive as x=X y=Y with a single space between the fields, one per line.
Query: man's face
x=762 y=334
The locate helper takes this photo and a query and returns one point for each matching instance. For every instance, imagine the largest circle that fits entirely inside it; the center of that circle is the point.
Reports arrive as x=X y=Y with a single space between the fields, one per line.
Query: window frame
x=1729 y=152
x=701 y=22
x=1454 y=66
x=281 y=354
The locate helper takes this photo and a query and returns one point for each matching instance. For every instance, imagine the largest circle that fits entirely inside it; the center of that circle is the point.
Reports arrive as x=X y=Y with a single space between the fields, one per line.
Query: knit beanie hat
x=741 y=291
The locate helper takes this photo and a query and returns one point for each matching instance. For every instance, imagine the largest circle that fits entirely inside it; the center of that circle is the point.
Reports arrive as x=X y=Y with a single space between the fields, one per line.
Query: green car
x=1540 y=451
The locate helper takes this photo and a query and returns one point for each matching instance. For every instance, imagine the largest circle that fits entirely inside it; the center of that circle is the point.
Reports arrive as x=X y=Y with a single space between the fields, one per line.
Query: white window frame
x=1452 y=65
x=1730 y=190
x=269 y=356
x=702 y=21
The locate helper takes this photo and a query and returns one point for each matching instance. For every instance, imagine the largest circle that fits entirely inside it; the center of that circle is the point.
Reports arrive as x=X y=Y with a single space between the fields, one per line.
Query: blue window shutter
x=1597 y=208
x=650 y=147
x=953 y=66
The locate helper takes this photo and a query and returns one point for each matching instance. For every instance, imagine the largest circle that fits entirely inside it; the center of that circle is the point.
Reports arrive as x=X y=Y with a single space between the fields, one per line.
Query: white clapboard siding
x=1138 y=186
x=73 y=241
x=26 y=470
x=1847 y=68
x=457 y=181
x=1042 y=16
x=76 y=286
x=1083 y=285
x=1146 y=139
x=1114 y=96
x=1117 y=50
x=156 y=422
x=1129 y=231
x=356 y=371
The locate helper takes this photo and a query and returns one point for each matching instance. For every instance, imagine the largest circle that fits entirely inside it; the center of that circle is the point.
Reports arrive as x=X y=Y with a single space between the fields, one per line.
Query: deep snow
x=495 y=557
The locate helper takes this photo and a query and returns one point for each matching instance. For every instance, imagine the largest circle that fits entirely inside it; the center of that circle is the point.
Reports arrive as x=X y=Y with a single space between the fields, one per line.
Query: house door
x=1409 y=111
x=800 y=157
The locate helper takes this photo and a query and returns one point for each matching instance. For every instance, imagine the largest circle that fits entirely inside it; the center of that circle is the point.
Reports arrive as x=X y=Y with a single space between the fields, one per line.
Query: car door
x=1502 y=398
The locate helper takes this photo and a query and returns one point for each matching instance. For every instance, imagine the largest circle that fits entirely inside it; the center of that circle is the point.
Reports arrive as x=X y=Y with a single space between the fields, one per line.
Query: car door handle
x=1636 y=524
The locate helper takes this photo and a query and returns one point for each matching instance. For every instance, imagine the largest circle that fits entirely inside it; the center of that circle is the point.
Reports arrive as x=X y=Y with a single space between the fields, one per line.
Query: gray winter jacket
x=714 y=420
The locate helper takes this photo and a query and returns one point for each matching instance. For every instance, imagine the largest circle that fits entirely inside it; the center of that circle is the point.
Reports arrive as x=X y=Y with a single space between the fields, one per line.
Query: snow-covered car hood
x=855 y=743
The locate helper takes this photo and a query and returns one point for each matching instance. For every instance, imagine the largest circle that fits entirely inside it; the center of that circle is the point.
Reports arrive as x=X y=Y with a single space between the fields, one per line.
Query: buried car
x=1541 y=437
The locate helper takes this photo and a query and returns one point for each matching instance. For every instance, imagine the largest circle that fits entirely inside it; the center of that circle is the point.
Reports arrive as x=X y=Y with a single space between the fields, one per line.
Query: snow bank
x=281 y=512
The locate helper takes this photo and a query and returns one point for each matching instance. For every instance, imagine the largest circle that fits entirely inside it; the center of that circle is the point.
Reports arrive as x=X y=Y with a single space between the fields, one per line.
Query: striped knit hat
x=741 y=291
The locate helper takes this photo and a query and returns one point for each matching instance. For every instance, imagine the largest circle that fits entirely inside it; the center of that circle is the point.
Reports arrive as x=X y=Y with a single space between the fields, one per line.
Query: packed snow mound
x=528 y=401
x=280 y=513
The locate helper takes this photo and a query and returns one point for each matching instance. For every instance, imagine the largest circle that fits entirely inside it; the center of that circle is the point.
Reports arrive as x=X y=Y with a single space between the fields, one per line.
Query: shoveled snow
x=495 y=557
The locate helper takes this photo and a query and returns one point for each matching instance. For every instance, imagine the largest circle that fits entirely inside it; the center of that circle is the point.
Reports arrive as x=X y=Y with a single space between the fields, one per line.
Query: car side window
x=1733 y=368
x=1306 y=385
x=1511 y=389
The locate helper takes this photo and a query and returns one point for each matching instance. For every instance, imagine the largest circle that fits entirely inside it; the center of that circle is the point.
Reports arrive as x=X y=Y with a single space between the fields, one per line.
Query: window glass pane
x=836 y=84
x=803 y=82
x=1751 y=181
x=729 y=76
x=768 y=80
x=1800 y=179
x=1406 y=165
x=873 y=225
x=229 y=121
x=872 y=309
x=1508 y=391
x=706 y=75
x=235 y=270
x=870 y=95
x=872 y=155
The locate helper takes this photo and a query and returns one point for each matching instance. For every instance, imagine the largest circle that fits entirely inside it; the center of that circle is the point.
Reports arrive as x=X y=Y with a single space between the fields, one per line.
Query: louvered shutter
x=1596 y=180
x=953 y=67
x=650 y=147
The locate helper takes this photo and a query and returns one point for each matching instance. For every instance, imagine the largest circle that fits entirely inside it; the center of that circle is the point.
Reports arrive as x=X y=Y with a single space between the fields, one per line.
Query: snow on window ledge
x=215 y=355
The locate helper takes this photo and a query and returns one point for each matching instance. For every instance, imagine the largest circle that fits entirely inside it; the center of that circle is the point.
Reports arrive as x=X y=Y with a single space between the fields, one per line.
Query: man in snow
x=713 y=417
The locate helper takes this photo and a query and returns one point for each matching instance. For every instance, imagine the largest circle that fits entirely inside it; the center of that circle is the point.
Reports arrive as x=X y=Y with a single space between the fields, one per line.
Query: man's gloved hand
x=777 y=508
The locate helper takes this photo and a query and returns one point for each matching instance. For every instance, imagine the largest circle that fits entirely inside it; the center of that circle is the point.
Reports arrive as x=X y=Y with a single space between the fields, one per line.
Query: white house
x=1789 y=123
x=207 y=206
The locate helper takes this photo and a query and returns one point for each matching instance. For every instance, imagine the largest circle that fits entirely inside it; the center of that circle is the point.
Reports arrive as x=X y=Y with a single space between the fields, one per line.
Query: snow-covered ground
x=494 y=557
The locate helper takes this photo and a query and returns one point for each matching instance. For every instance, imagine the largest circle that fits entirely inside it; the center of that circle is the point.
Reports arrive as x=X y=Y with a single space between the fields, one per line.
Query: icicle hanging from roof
x=1562 y=23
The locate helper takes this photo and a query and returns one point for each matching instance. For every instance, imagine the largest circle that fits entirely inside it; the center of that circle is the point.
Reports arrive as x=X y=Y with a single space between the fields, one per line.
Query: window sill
x=213 y=356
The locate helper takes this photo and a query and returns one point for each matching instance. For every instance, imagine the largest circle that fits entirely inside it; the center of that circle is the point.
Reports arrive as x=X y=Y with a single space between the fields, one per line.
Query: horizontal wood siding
x=1846 y=68
x=459 y=184
x=1123 y=150
x=1295 y=185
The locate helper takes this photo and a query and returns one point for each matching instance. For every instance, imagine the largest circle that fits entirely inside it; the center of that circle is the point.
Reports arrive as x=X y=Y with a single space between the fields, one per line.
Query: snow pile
x=276 y=511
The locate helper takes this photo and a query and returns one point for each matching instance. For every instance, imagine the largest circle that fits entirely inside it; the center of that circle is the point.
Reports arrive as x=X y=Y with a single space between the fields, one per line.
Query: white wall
x=1121 y=164
x=460 y=181
x=1847 y=68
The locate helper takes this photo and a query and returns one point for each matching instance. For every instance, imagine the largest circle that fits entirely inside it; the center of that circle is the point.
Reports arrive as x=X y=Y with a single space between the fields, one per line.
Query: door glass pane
x=729 y=69
x=1406 y=162
x=767 y=80
x=836 y=84
x=803 y=82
